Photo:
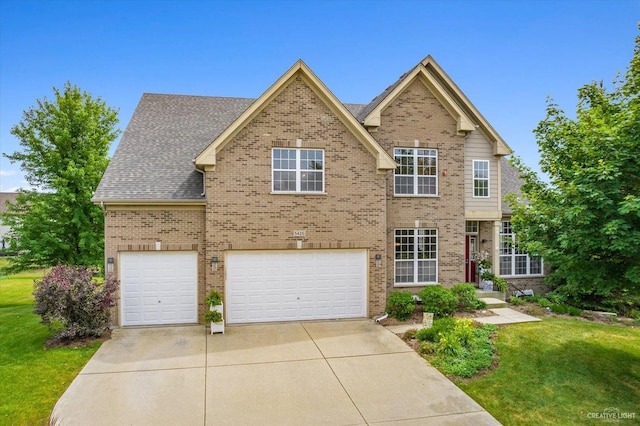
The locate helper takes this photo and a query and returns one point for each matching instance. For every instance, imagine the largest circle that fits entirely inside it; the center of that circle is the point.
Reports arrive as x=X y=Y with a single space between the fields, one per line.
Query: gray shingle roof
x=153 y=160
x=362 y=114
x=511 y=182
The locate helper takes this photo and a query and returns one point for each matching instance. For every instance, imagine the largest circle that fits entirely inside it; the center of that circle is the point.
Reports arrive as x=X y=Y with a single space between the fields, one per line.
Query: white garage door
x=295 y=285
x=158 y=288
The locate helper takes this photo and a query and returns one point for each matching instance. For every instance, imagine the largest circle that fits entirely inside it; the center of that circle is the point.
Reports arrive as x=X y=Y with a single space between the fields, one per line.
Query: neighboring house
x=296 y=206
x=4 y=230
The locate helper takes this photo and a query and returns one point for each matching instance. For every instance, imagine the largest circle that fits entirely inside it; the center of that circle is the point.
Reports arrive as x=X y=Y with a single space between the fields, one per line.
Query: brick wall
x=137 y=229
x=417 y=115
x=243 y=214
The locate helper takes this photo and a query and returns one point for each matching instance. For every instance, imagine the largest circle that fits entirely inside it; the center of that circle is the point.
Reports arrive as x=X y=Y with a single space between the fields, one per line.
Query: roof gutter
x=204 y=183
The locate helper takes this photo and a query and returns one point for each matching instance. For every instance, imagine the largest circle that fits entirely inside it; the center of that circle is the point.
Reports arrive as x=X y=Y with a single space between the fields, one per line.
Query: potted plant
x=216 y=320
x=486 y=276
x=214 y=300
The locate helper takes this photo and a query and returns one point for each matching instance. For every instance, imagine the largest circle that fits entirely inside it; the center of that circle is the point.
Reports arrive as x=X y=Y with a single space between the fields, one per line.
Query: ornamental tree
x=585 y=220
x=65 y=143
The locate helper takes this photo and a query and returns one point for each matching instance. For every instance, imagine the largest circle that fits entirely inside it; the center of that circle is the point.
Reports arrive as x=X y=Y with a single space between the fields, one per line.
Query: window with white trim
x=513 y=261
x=416 y=256
x=481 y=178
x=297 y=170
x=416 y=171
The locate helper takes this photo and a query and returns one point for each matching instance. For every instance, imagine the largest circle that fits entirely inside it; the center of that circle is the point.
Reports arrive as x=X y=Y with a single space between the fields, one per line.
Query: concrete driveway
x=301 y=373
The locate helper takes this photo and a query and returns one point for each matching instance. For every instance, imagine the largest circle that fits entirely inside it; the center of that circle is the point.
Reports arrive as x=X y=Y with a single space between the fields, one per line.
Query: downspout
x=204 y=183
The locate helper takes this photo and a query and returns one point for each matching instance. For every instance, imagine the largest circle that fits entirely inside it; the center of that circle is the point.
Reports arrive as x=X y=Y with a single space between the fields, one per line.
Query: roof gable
x=207 y=158
x=500 y=147
x=420 y=73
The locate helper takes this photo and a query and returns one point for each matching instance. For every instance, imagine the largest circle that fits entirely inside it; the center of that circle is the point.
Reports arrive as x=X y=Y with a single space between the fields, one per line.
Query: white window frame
x=414 y=154
x=477 y=179
x=298 y=170
x=408 y=241
x=508 y=250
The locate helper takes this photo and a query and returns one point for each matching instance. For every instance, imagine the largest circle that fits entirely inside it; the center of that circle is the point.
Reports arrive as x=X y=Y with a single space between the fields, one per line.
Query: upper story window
x=514 y=261
x=297 y=170
x=416 y=256
x=416 y=171
x=480 y=178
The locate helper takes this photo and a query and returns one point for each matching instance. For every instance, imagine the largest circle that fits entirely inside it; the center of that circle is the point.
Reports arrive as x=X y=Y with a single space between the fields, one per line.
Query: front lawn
x=32 y=378
x=562 y=371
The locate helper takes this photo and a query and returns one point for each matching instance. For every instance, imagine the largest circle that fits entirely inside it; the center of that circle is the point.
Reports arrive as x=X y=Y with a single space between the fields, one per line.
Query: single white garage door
x=158 y=288
x=295 y=285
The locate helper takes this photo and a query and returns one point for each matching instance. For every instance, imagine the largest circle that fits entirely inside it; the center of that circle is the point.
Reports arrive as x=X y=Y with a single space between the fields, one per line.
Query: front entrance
x=471 y=249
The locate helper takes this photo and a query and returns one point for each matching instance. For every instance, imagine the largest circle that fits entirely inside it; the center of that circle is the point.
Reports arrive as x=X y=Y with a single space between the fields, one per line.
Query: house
x=296 y=206
x=5 y=197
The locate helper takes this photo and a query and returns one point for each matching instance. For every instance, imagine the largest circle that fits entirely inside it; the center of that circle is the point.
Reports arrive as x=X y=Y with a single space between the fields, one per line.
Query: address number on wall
x=299 y=233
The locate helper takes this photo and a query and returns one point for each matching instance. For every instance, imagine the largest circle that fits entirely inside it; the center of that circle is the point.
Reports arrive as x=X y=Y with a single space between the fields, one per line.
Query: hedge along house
x=296 y=206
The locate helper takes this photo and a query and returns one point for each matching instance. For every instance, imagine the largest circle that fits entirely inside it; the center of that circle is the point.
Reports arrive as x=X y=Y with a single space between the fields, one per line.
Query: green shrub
x=212 y=316
x=400 y=304
x=213 y=298
x=515 y=300
x=409 y=334
x=426 y=348
x=635 y=314
x=500 y=284
x=440 y=325
x=465 y=350
x=545 y=303
x=534 y=299
x=559 y=309
x=574 y=312
x=69 y=298
x=467 y=299
x=438 y=300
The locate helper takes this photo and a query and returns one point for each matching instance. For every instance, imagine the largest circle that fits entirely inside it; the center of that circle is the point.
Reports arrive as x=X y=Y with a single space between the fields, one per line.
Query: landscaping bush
x=515 y=300
x=467 y=299
x=464 y=350
x=400 y=304
x=69 y=298
x=438 y=300
x=574 y=312
x=432 y=334
x=559 y=309
x=545 y=303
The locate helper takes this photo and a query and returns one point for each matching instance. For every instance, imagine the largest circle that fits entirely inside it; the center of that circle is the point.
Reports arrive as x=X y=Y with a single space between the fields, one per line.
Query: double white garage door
x=161 y=288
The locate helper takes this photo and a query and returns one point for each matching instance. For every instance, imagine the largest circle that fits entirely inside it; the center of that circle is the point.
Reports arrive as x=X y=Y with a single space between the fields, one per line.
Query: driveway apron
x=351 y=372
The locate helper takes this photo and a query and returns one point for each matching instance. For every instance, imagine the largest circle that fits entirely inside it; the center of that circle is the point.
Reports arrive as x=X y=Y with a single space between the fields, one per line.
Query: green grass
x=559 y=370
x=32 y=378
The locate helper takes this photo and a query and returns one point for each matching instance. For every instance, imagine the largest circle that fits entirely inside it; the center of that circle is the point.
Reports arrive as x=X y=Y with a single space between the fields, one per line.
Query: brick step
x=493 y=303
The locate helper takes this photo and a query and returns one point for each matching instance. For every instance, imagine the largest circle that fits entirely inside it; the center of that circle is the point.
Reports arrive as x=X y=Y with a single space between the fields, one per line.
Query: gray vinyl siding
x=477 y=147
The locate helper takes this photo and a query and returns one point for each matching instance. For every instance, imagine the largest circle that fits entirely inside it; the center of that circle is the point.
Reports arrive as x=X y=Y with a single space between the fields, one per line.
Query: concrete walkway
x=324 y=373
x=503 y=316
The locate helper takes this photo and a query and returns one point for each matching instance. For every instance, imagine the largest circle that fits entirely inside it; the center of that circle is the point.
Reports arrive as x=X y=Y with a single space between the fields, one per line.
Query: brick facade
x=135 y=228
x=243 y=214
x=417 y=115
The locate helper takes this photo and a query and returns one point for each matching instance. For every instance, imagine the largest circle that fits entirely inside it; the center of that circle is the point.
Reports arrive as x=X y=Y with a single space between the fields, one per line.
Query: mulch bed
x=76 y=343
x=416 y=317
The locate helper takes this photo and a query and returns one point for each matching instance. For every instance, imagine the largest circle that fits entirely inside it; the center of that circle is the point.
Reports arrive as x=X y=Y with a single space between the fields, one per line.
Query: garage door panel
x=291 y=285
x=158 y=287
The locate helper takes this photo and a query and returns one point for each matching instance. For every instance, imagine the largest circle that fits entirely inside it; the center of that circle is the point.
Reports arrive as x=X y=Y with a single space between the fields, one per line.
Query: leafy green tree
x=585 y=221
x=65 y=144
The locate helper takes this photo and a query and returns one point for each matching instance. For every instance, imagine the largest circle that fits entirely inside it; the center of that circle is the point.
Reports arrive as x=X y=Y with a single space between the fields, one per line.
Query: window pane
x=311 y=181
x=404 y=272
x=427 y=271
x=505 y=265
x=521 y=265
x=284 y=181
x=535 y=265
x=404 y=184
x=404 y=244
x=427 y=185
x=472 y=226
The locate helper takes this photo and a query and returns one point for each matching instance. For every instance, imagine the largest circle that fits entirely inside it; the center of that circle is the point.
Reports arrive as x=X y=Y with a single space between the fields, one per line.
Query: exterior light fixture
x=214 y=263
x=484 y=241
x=110 y=263
x=378 y=260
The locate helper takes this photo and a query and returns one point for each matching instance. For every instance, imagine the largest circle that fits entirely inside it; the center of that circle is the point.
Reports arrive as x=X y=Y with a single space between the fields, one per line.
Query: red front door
x=471 y=248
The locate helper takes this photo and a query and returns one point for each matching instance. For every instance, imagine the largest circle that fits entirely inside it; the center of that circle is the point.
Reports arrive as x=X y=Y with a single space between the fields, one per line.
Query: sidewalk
x=502 y=316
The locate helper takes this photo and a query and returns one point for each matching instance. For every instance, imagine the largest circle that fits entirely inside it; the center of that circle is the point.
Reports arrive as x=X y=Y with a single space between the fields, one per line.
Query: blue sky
x=507 y=56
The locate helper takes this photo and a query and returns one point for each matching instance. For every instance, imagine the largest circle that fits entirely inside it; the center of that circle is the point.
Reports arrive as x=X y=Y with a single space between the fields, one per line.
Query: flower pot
x=217 y=327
